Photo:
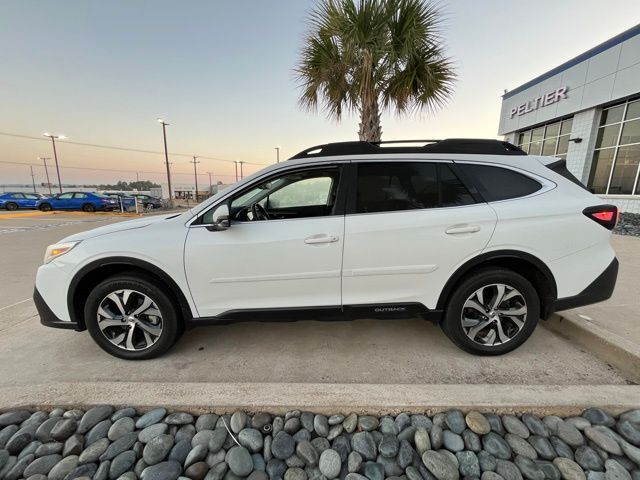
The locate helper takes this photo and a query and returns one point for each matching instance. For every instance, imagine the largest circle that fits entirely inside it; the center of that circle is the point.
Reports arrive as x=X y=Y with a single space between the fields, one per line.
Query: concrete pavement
x=368 y=364
x=611 y=329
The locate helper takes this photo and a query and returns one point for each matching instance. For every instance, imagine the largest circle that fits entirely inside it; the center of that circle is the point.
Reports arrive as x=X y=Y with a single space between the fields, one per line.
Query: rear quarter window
x=497 y=183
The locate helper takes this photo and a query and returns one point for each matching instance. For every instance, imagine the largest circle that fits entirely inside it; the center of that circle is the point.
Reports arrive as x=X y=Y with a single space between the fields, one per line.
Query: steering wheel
x=259 y=212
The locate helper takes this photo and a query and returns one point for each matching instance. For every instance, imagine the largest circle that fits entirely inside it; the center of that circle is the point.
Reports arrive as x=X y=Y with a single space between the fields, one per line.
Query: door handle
x=459 y=229
x=320 y=238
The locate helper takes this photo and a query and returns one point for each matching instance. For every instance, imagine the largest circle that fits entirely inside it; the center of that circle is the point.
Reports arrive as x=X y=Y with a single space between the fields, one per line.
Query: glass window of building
x=550 y=140
x=616 y=159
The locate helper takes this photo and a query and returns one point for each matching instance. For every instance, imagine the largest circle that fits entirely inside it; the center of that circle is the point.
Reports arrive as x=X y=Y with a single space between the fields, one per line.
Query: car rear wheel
x=87 y=207
x=11 y=206
x=492 y=312
x=130 y=317
x=45 y=207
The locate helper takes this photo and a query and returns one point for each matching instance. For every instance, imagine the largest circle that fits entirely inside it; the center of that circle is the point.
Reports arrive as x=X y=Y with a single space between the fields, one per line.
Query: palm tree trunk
x=370 y=128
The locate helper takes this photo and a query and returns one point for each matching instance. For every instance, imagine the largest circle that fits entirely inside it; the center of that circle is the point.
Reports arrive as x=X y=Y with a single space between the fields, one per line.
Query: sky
x=221 y=74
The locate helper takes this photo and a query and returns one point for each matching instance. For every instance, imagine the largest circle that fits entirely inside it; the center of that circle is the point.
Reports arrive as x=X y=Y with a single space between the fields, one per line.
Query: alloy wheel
x=494 y=314
x=130 y=320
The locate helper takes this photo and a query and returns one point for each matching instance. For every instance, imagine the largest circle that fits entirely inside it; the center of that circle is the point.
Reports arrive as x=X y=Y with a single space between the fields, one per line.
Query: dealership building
x=586 y=111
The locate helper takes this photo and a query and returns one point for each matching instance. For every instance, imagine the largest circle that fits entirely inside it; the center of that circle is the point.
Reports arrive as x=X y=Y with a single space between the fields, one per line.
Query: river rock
x=569 y=469
x=440 y=465
x=239 y=461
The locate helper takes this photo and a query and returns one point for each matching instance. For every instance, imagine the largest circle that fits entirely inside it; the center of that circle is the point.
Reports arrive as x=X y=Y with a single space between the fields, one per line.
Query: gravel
x=107 y=444
x=628 y=224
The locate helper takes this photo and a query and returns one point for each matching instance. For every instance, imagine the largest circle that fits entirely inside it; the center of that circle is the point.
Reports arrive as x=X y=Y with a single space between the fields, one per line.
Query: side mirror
x=220 y=219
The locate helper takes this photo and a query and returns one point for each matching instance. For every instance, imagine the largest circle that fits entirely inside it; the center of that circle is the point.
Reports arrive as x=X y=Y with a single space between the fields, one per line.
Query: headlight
x=58 y=249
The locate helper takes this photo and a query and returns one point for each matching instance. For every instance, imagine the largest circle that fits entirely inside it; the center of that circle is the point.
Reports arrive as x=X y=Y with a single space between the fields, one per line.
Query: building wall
x=585 y=126
x=602 y=77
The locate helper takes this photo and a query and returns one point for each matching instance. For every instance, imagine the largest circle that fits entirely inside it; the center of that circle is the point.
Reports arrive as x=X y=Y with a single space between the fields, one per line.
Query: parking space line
x=14 y=304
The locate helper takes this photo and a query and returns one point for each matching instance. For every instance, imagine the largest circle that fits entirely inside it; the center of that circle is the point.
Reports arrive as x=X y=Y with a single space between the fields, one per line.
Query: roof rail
x=449 y=145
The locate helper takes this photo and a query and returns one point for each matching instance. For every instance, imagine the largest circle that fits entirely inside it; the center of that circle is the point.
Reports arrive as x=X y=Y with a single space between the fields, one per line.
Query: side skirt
x=387 y=311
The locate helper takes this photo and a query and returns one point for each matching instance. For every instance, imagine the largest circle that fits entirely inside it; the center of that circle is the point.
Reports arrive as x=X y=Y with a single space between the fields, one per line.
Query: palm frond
x=370 y=52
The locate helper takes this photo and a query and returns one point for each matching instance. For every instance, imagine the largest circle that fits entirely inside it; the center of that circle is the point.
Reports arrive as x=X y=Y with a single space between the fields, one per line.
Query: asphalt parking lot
x=362 y=352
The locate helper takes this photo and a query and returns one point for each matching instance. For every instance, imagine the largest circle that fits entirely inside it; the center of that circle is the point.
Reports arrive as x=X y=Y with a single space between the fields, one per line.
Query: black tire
x=45 y=207
x=11 y=206
x=452 y=322
x=172 y=325
x=88 y=207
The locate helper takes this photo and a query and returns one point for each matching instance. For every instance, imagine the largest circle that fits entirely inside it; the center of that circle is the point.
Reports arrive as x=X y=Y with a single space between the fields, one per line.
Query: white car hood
x=118 y=227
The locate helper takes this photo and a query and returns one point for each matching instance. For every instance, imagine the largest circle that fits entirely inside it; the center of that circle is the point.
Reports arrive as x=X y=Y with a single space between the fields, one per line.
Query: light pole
x=241 y=175
x=195 y=175
x=33 y=181
x=166 y=157
x=236 y=162
x=55 y=154
x=277 y=154
x=46 y=170
x=210 y=183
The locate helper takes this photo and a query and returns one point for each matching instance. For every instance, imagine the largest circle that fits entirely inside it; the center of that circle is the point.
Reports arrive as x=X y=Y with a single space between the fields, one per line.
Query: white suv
x=472 y=234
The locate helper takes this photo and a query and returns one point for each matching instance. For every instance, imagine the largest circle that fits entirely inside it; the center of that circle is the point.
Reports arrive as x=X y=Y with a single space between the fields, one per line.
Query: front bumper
x=597 y=291
x=48 y=318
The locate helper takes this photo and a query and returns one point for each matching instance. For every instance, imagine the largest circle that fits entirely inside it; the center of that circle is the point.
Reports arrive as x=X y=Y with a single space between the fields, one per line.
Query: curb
x=61 y=212
x=611 y=348
x=278 y=398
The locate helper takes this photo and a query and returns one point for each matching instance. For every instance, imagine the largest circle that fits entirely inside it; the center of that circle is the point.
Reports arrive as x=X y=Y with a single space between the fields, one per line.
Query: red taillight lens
x=605 y=215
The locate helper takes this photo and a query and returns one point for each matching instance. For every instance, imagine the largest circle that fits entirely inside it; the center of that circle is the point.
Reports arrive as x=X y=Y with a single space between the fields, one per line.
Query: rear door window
x=397 y=186
x=497 y=183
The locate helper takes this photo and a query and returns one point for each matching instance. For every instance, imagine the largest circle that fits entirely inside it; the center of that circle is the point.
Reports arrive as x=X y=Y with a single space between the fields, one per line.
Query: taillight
x=605 y=215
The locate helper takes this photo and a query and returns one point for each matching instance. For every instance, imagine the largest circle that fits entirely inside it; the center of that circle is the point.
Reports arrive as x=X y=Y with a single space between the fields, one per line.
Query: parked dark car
x=128 y=201
x=16 y=200
x=85 y=201
x=148 y=201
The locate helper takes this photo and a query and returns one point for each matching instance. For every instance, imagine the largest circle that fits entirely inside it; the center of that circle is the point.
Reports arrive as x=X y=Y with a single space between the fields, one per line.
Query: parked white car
x=472 y=234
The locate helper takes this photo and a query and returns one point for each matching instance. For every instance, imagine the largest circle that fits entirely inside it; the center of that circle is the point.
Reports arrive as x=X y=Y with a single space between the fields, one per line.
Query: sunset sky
x=221 y=73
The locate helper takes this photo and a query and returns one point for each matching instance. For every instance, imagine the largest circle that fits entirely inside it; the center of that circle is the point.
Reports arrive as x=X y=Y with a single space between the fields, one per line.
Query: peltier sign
x=539 y=102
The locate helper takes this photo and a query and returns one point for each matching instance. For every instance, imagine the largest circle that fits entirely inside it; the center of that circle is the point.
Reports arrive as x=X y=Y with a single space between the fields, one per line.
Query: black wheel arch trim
x=48 y=318
x=547 y=302
x=125 y=261
x=599 y=290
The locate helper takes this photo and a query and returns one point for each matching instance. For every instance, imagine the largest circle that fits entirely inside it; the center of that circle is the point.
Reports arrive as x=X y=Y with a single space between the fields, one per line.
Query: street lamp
x=46 y=170
x=166 y=157
x=277 y=154
x=236 y=163
x=241 y=175
x=55 y=154
x=195 y=174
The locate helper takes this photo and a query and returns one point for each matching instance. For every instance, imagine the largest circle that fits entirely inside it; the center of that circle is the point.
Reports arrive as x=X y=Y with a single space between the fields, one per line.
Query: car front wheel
x=130 y=317
x=45 y=207
x=492 y=312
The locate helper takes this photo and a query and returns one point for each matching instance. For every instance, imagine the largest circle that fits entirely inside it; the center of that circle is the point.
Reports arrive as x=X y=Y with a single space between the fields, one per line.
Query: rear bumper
x=48 y=318
x=597 y=291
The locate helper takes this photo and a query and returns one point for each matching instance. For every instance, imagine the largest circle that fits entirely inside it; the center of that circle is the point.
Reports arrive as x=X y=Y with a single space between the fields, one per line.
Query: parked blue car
x=85 y=201
x=16 y=200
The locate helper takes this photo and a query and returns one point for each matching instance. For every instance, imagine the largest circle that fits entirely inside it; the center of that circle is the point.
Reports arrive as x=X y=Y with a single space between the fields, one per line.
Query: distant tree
x=121 y=185
x=368 y=55
x=143 y=185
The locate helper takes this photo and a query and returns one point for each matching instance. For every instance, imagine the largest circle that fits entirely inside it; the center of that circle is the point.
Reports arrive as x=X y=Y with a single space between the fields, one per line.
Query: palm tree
x=364 y=55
